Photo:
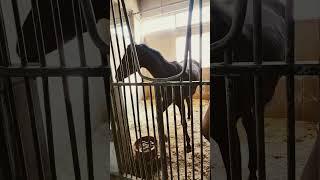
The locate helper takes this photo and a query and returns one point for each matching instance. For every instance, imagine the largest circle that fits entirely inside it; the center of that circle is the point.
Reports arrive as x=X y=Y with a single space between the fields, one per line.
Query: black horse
x=47 y=12
x=273 y=39
x=159 y=67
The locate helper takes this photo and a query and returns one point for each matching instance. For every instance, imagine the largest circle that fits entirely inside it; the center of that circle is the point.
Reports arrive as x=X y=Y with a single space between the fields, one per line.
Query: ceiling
x=155 y=7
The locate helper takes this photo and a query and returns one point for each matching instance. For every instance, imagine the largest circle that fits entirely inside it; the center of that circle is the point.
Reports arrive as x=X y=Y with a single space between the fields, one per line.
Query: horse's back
x=273 y=38
x=195 y=70
x=273 y=30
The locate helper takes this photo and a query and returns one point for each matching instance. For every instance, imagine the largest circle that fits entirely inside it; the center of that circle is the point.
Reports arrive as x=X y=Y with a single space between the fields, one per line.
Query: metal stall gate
x=231 y=71
x=29 y=112
x=148 y=139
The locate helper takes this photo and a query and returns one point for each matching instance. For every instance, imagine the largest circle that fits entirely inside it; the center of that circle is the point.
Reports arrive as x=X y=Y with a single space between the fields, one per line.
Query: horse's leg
x=167 y=100
x=250 y=127
x=224 y=149
x=184 y=124
x=189 y=106
x=221 y=136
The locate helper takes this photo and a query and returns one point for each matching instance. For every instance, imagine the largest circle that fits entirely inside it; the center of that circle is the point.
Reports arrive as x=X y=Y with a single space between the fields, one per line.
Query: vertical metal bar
x=85 y=85
x=7 y=140
x=123 y=112
x=175 y=129
x=182 y=113
x=290 y=28
x=200 y=59
x=21 y=46
x=122 y=74
x=28 y=88
x=124 y=162
x=107 y=80
x=166 y=100
x=10 y=103
x=191 y=111
x=50 y=140
x=130 y=88
x=116 y=135
x=230 y=116
x=135 y=76
x=259 y=111
x=163 y=155
x=70 y=119
x=147 y=121
x=153 y=123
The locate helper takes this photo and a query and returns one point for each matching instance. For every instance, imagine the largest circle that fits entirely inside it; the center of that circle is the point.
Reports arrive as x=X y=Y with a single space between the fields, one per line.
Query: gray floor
x=276 y=155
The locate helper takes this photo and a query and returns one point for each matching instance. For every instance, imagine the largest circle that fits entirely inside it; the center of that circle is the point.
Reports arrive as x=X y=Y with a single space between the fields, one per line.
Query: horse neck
x=158 y=66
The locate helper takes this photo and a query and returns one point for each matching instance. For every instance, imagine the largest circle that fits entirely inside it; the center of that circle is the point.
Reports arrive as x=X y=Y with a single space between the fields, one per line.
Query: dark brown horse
x=159 y=67
x=273 y=39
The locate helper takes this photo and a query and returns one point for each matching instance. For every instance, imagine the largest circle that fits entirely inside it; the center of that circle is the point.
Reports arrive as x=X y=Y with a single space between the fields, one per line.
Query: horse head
x=127 y=63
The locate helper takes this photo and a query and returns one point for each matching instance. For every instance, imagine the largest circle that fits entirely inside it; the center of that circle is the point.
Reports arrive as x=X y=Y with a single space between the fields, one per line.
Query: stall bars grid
x=83 y=14
x=286 y=68
x=125 y=96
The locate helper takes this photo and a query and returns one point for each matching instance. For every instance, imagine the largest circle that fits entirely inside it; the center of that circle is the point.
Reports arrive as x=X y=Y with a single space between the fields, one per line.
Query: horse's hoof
x=188 y=149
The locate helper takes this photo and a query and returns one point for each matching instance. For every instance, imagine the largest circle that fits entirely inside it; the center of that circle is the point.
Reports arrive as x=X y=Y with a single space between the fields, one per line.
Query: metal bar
x=21 y=45
x=122 y=115
x=10 y=103
x=142 y=161
x=48 y=114
x=163 y=155
x=135 y=78
x=291 y=126
x=182 y=114
x=153 y=123
x=121 y=160
x=70 y=120
x=53 y=71
x=259 y=110
x=175 y=130
x=30 y=102
x=290 y=86
x=127 y=70
x=85 y=85
x=116 y=135
x=6 y=135
x=201 y=78
x=166 y=100
x=147 y=120
x=190 y=110
x=278 y=69
x=121 y=111
x=169 y=83
x=230 y=116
